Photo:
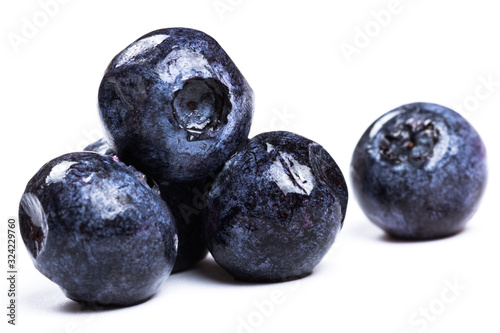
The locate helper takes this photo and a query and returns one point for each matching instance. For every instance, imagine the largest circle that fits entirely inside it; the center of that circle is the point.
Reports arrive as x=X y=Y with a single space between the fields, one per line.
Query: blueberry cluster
x=177 y=176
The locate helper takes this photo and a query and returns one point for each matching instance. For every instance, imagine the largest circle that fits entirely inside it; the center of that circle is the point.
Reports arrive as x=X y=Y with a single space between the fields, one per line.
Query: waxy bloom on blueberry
x=174 y=105
x=275 y=208
x=186 y=201
x=419 y=171
x=93 y=227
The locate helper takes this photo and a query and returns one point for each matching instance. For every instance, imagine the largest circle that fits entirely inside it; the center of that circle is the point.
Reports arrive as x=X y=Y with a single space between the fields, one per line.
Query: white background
x=291 y=54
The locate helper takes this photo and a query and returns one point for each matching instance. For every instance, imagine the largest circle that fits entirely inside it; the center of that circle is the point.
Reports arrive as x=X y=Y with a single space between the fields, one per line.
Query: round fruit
x=275 y=208
x=95 y=229
x=174 y=105
x=419 y=171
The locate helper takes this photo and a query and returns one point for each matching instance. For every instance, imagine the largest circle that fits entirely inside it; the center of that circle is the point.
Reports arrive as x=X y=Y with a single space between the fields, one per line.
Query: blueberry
x=174 y=105
x=275 y=208
x=92 y=227
x=187 y=202
x=419 y=171
x=101 y=146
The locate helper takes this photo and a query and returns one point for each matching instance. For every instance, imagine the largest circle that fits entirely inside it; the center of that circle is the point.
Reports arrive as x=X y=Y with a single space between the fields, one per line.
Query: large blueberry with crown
x=174 y=105
x=275 y=208
x=419 y=171
x=95 y=228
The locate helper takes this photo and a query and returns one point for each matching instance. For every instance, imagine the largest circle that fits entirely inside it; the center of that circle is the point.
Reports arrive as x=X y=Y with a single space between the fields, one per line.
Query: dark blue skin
x=187 y=202
x=419 y=172
x=174 y=105
x=275 y=208
x=102 y=147
x=92 y=227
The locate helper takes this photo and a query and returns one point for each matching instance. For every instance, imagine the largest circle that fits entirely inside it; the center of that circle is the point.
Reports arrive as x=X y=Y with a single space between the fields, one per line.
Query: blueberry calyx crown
x=201 y=106
x=411 y=141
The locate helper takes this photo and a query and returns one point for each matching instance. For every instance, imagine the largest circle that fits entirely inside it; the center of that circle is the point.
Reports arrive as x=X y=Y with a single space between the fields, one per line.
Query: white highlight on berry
x=102 y=148
x=185 y=63
x=197 y=127
x=33 y=207
x=443 y=145
x=139 y=47
x=291 y=176
x=176 y=242
x=87 y=179
x=108 y=197
x=59 y=171
x=382 y=121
